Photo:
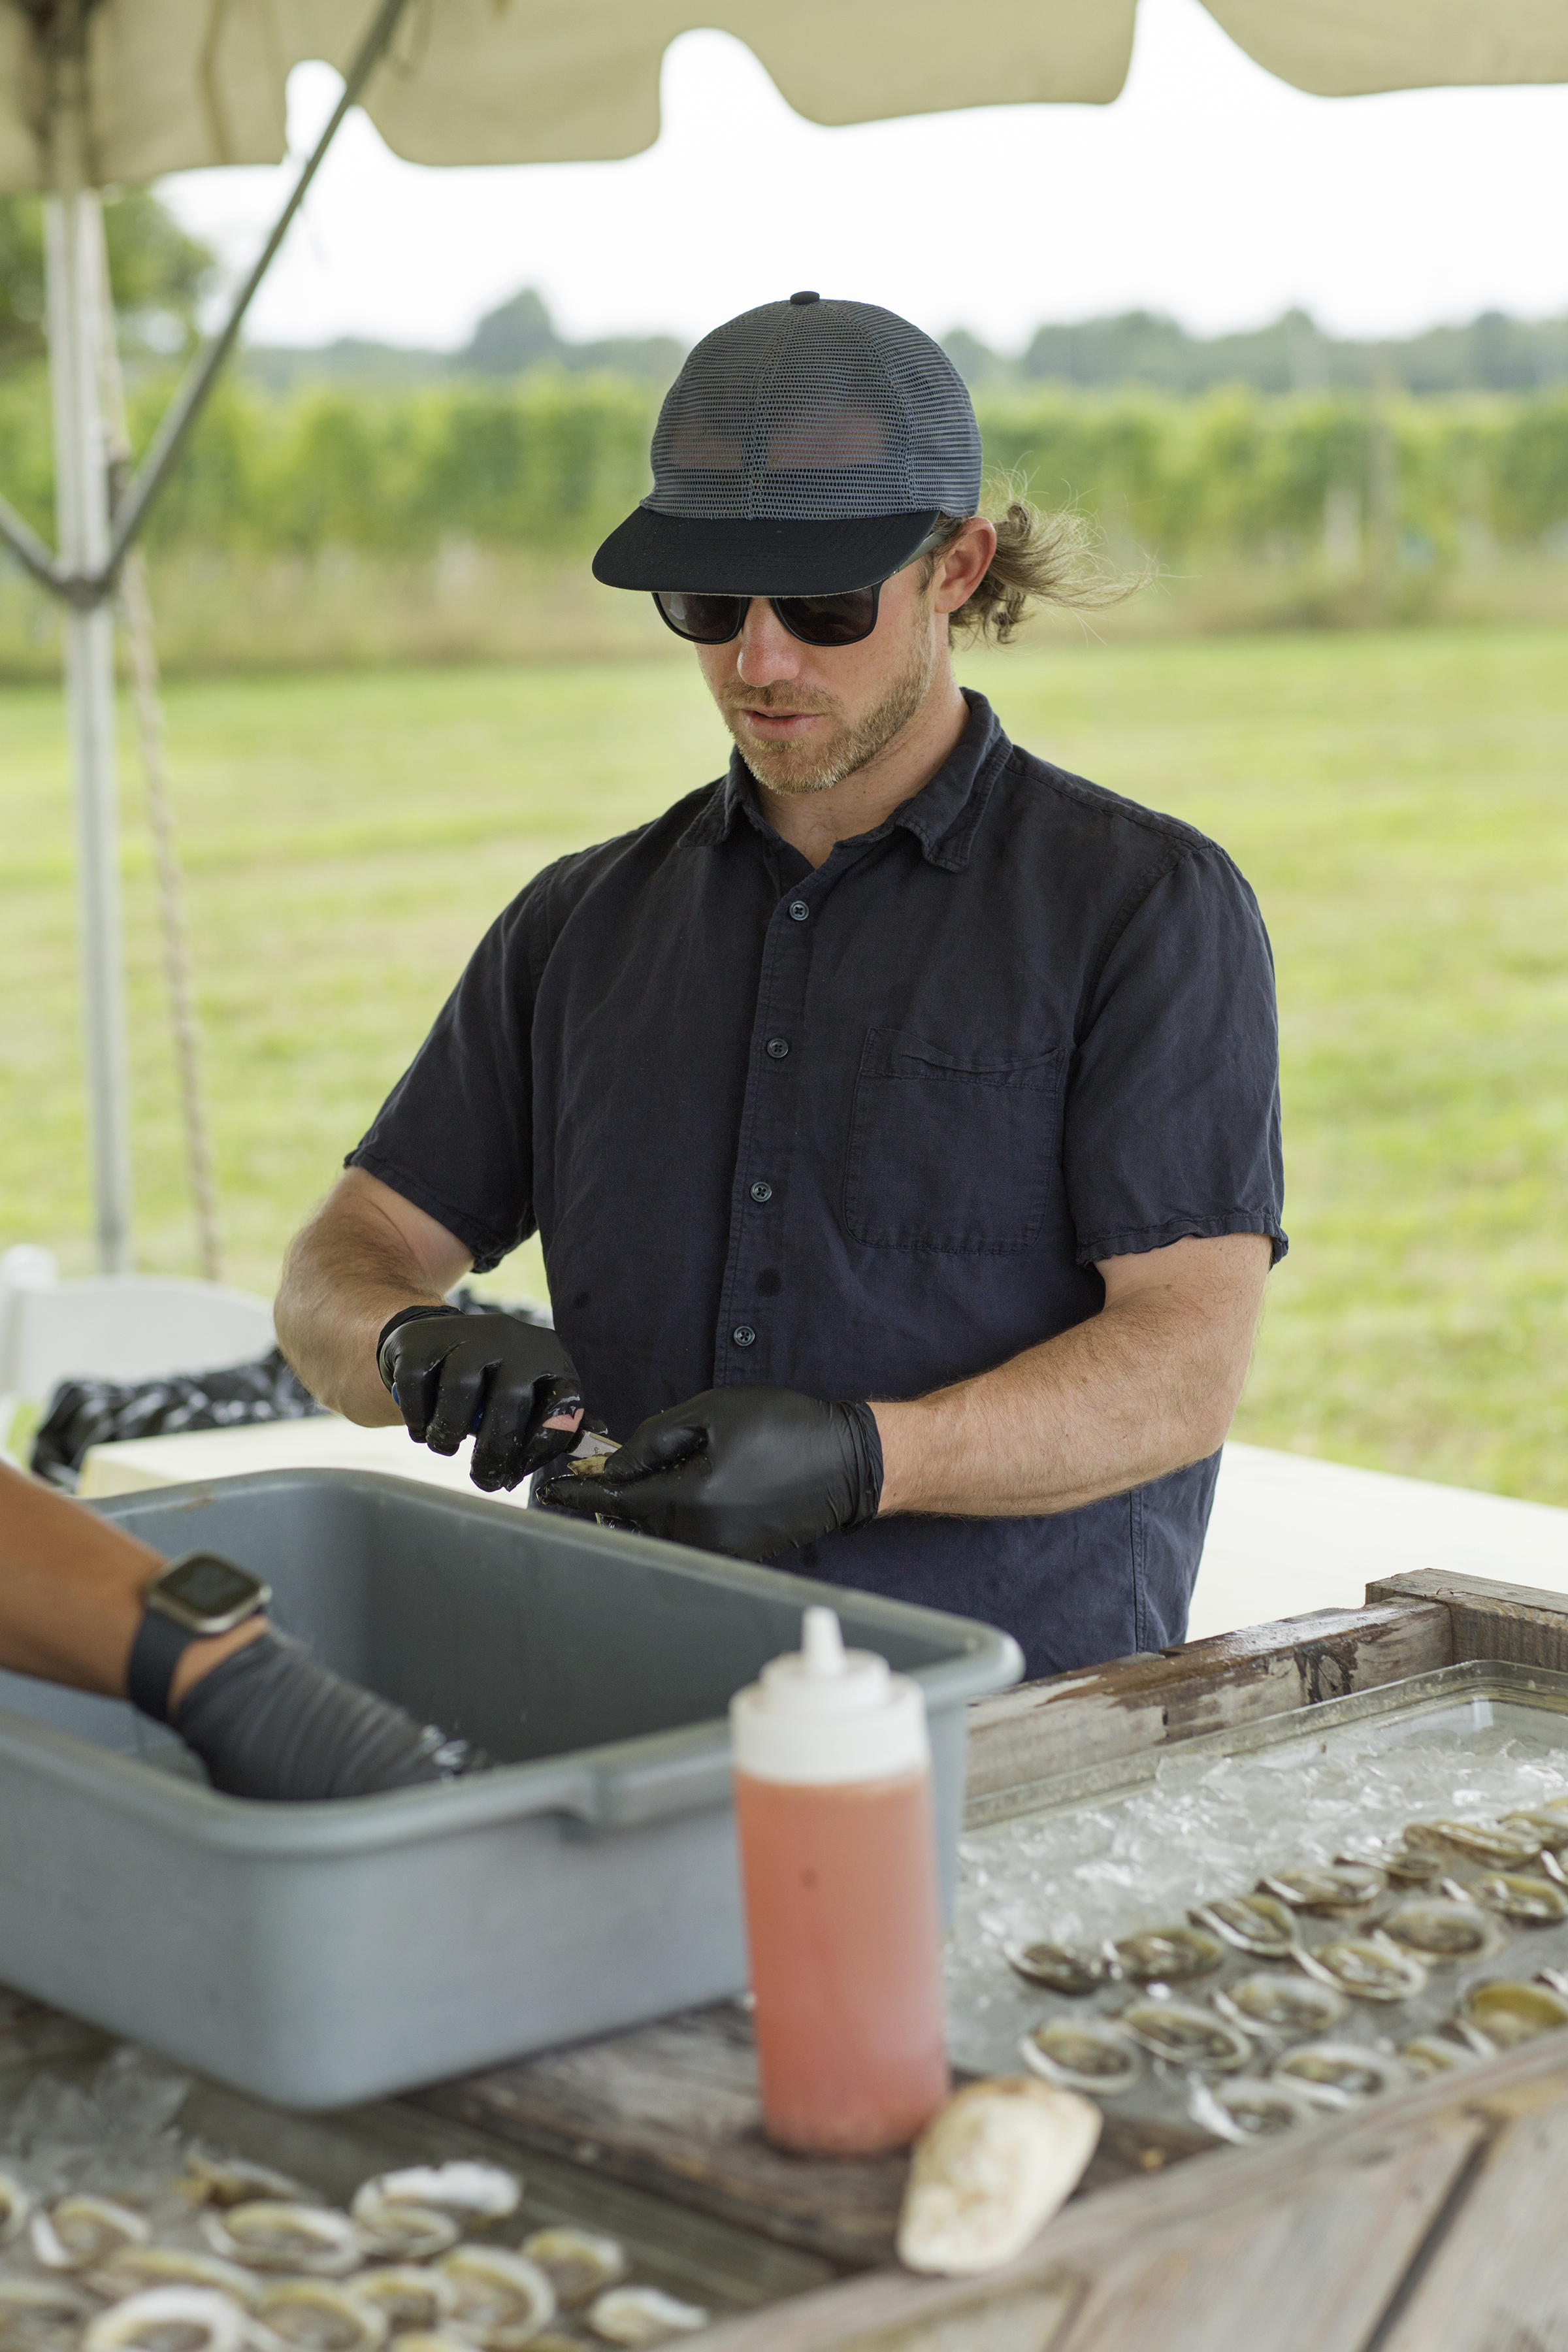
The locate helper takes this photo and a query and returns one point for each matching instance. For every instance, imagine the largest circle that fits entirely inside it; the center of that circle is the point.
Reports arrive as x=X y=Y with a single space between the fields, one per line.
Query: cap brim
x=756 y=557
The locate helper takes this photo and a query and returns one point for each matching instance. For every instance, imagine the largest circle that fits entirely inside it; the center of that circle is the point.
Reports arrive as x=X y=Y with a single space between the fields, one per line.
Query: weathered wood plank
x=674 y=2108
x=1495 y=2278
x=1304 y=2245
x=1491 y=1618
x=1025 y=1737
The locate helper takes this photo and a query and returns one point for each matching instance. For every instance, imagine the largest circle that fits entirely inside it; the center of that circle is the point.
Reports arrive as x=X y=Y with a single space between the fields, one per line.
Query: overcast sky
x=1208 y=191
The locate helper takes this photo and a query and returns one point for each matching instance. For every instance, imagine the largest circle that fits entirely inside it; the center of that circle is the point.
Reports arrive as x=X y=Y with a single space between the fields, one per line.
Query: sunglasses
x=843 y=620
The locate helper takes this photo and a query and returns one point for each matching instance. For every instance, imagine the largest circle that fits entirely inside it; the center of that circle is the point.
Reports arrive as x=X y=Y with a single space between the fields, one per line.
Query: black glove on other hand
x=450 y=1373
x=747 y=1471
x=271 y=1721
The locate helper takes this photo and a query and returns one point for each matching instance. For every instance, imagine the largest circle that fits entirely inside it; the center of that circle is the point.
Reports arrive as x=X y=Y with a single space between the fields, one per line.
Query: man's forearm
x=1139 y=1390
x=359 y=1262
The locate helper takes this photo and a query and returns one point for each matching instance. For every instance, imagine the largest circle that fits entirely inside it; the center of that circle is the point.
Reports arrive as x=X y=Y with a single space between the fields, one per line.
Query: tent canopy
x=174 y=84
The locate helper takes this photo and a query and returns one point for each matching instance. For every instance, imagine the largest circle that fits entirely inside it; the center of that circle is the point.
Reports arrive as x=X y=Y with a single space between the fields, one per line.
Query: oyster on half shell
x=1183 y=2034
x=1057 y=1967
x=1089 y=2053
x=1258 y=1924
x=1167 y=1955
x=1440 y=1929
x=1369 y=1968
x=1291 y=2007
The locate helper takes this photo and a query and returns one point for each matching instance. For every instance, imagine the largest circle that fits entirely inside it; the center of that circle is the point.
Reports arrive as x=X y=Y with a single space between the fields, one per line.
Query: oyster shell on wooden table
x=988 y=2172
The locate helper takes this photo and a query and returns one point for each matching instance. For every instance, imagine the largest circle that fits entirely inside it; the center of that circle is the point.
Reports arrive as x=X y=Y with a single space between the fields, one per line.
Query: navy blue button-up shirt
x=863 y=1130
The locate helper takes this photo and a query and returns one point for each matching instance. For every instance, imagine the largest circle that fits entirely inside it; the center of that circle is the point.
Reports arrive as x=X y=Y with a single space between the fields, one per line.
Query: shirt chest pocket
x=951 y=1150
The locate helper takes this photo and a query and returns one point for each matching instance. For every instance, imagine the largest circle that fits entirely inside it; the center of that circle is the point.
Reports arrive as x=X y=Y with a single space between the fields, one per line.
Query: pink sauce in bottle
x=839 y=1865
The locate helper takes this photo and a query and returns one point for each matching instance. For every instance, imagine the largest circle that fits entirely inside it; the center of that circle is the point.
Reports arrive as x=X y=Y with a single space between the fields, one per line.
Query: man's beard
x=791 y=768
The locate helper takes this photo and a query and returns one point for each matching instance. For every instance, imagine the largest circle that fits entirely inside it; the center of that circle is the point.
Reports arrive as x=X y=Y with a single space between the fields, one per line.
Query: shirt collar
x=943 y=816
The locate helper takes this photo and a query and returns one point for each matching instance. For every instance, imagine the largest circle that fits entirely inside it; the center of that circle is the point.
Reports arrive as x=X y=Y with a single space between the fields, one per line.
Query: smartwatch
x=190 y=1601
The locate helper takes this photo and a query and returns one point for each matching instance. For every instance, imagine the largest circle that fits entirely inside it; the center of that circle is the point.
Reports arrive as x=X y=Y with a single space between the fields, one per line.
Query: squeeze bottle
x=833 y=1806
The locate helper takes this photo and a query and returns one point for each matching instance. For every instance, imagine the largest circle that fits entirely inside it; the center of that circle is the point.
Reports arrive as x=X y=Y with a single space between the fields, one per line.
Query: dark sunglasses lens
x=706 y=620
x=829 y=620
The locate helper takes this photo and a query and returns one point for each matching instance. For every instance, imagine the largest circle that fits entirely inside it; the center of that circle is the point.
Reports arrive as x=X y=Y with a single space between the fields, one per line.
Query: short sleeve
x=1171 y=1122
x=456 y=1134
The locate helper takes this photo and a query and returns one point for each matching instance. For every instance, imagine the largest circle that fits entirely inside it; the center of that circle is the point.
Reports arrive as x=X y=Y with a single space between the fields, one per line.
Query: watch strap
x=161 y=1643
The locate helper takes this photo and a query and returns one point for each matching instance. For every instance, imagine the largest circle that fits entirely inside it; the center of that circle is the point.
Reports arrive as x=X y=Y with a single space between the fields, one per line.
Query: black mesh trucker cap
x=804 y=449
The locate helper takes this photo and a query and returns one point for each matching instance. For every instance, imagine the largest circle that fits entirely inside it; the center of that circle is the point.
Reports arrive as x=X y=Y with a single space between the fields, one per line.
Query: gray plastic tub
x=318 y=1954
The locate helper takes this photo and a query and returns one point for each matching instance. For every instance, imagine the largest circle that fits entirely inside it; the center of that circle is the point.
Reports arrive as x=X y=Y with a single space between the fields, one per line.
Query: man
x=188 y=1642
x=899 y=1114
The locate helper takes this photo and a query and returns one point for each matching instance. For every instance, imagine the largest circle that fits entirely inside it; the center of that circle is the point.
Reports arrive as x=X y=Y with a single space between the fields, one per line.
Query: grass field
x=1399 y=801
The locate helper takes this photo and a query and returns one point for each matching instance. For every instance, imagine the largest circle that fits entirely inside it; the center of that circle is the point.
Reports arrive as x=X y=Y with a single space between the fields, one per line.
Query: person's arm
x=365 y=1256
x=266 y=1718
x=70 y=1595
x=1146 y=1387
x=1143 y=1387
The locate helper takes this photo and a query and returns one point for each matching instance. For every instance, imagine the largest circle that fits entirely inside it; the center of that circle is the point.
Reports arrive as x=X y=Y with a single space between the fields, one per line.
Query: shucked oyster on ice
x=132 y=2268
x=1291 y=2007
x=1167 y=1955
x=1508 y=2012
x=1182 y=2034
x=1258 y=1924
x=1483 y=1842
x=504 y=2300
x=1246 y=2107
x=638 y=2315
x=42 y=2314
x=15 y=2204
x=988 y=2172
x=1089 y=2053
x=1342 y=2073
x=322 y=2315
x=1057 y=1968
x=269 y=2235
x=1369 y=1968
x=412 y=2298
x=1442 y=1929
x=76 y=2232
x=1528 y=1901
x=579 y=2263
x=1333 y=1889
x=1548 y=1823
x=198 y=2317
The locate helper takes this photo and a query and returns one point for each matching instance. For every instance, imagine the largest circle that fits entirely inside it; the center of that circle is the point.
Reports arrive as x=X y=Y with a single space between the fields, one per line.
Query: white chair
x=122 y=1327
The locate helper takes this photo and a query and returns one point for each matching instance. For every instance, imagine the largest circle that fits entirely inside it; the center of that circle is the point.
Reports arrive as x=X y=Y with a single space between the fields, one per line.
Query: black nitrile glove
x=450 y=1373
x=748 y=1471
x=270 y=1721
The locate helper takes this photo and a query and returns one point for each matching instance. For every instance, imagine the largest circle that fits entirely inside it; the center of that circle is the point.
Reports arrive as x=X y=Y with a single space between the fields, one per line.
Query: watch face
x=208 y=1587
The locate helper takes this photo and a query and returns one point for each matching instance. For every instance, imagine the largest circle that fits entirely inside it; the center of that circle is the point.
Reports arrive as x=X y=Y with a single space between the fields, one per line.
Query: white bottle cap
x=824 y=1714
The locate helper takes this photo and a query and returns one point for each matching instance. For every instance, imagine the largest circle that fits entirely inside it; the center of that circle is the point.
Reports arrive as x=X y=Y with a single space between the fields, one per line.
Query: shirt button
x=761 y=1191
x=799 y=912
x=743 y=1335
x=778 y=1048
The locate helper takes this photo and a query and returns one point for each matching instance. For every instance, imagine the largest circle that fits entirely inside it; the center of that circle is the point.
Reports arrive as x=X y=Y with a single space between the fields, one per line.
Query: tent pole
x=73 y=229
